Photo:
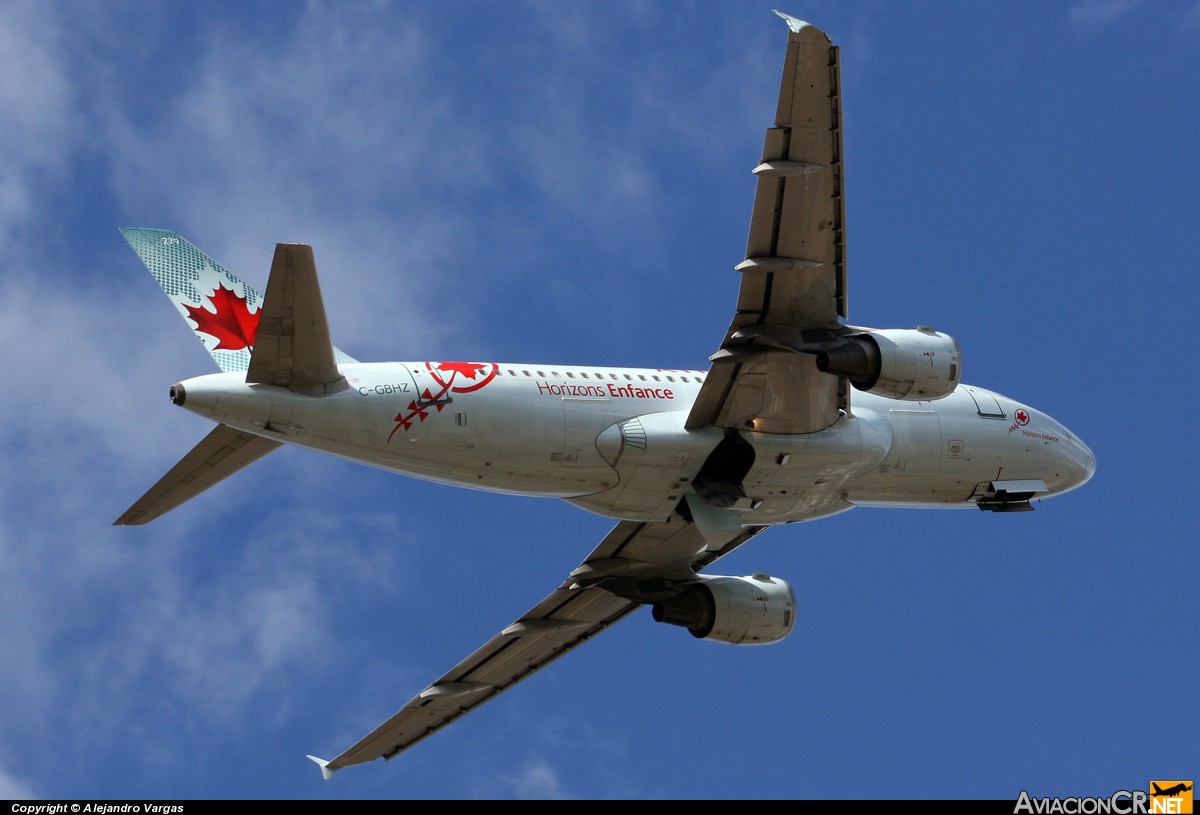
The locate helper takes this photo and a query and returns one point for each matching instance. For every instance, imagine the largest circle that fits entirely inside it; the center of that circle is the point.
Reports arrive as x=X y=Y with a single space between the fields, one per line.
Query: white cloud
x=193 y=623
x=185 y=625
x=1097 y=14
x=537 y=780
x=36 y=100
x=307 y=141
x=13 y=788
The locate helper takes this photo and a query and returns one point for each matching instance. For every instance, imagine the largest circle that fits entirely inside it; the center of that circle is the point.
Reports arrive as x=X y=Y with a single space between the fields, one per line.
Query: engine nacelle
x=913 y=365
x=738 y=610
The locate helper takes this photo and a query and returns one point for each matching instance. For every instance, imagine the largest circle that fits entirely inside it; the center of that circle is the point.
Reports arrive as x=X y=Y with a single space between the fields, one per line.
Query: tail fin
x=293 y=348
x=223 y=311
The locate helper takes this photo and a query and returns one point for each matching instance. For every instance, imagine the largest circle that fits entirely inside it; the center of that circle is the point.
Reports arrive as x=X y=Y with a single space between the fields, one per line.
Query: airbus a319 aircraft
x=801 y=415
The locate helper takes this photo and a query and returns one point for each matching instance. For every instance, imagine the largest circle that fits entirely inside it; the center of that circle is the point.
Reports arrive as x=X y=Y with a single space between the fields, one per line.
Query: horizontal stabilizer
x=293 y=349
x=220 y=454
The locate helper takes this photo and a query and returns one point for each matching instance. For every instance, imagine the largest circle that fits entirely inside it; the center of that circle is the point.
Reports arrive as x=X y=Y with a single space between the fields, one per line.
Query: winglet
x=794 y=23
x=326 y=773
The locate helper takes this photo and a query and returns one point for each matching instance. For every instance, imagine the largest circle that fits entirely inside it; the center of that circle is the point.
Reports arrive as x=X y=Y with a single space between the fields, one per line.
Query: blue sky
x=570 y=183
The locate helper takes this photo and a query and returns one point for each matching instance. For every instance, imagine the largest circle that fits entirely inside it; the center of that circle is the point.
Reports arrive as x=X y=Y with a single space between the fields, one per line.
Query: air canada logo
x=1020 y=417
x=1173 y=797
x=449 y=378
x=462 y=377
x=232 y=324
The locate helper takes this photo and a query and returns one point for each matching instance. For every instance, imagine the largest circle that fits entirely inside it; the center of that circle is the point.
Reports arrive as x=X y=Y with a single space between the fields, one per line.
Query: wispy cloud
x=36 y=99
x=140 y=636
x=538 y=780
x=13 y=788
x=1096 y=14
x=305 y=141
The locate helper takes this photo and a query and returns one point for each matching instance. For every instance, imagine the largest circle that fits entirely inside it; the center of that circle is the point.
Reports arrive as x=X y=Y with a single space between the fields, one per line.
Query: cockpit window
x=986 y=404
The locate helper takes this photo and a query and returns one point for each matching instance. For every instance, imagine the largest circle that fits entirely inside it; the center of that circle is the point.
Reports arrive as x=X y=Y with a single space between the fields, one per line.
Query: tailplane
x=222 y=453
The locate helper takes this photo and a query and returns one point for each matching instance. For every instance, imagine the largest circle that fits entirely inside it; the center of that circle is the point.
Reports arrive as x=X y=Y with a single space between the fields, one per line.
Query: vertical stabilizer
x=221 y=310
x=293 y=348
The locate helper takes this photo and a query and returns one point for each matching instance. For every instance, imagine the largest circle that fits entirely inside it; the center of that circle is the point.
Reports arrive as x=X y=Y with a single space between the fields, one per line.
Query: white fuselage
x=612 y=440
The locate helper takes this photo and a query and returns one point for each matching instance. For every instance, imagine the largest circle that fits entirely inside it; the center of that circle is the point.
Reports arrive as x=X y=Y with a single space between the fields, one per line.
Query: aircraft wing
x=583 y=606
x=793 y=280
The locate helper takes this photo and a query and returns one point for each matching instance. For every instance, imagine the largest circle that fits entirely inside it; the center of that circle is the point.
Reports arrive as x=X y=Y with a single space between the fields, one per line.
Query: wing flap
x=219 y=455
x=793 y=285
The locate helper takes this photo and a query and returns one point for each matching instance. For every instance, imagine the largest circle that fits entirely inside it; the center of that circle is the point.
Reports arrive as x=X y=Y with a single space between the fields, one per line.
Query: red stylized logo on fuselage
x=449 y=377
x=1022 y=418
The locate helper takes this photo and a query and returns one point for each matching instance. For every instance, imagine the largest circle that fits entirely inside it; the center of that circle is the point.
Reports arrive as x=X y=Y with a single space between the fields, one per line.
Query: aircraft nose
x=1089 y=463
x=1075 y=461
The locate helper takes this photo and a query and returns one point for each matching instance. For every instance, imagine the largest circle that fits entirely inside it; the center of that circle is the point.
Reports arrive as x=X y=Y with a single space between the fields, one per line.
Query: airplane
x=1169 y=791
x=800 y=415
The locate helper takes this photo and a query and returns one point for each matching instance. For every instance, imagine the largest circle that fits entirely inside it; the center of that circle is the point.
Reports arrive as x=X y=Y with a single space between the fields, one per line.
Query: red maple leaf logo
x=467 y=369
x=233 y=324
x=480 y=373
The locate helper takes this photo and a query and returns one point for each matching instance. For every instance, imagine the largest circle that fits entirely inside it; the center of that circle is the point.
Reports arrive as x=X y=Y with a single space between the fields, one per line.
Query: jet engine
x=737 y=610
x=913 y=365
